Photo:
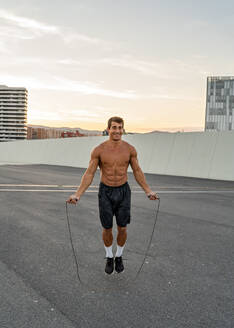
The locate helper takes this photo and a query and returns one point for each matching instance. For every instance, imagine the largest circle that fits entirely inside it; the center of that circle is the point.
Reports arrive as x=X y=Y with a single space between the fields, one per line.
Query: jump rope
x=145 y=253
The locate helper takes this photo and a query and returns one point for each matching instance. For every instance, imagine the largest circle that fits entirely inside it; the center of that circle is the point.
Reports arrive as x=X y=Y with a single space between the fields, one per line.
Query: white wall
x=195 y=154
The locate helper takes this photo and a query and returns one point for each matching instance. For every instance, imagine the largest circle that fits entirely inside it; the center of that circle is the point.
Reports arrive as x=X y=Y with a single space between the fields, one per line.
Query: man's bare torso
x=113 y=162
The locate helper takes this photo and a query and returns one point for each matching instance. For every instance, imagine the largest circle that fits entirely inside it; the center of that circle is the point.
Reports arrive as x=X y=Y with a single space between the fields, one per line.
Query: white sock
x=119 y=251
x=108 y=251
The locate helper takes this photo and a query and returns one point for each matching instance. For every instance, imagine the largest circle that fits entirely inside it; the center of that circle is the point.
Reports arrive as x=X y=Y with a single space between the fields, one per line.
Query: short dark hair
x=115 y=119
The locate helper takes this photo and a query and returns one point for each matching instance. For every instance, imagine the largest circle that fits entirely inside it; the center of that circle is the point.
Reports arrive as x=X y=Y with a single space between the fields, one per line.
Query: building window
x=219 y=84
x=217 y=111
x=210 y=125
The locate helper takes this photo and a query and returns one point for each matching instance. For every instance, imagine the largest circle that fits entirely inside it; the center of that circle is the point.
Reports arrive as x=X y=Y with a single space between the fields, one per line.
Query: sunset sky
x=145 y=60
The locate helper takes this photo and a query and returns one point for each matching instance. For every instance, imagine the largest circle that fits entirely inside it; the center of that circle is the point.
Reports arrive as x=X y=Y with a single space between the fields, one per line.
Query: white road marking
x=158 y=188
x=44 y=190
x=133 y=191
x=37 y=185
x=94 y=186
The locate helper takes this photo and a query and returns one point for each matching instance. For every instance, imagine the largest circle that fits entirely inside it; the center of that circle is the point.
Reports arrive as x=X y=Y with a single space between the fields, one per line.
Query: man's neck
x=114 y=143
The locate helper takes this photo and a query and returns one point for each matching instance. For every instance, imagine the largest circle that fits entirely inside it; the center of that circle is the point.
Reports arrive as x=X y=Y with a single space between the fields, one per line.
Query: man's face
x=115 y=131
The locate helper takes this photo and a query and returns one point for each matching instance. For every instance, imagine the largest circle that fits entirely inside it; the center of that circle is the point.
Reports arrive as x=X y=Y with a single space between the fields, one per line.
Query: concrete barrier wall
x=196 y=154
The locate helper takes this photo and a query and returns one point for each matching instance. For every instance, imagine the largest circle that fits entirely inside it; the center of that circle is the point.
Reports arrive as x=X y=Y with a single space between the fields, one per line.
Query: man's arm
x=139 y=175
x=87 y=177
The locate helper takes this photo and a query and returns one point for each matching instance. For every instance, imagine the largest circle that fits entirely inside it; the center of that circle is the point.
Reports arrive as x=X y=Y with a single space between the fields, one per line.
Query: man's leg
x=123 y=217
x=122 y=235
x=107 y=237
x=121 y=239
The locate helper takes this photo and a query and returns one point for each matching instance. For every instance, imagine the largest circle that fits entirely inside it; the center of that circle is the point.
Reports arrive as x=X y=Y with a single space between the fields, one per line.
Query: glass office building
x=13 y=113
x=220 y=103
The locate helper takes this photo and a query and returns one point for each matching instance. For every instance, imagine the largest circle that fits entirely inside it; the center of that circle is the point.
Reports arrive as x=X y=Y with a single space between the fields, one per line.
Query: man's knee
x=122 y=229
x=107 y=231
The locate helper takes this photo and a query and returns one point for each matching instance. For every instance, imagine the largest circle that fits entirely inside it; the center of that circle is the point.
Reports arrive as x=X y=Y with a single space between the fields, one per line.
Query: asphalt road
x=188 y=277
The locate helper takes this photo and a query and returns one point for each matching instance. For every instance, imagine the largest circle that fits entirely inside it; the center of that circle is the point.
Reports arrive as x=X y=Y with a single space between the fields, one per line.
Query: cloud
x=80 y=114
x=59 y=84
x=3 y=47
x=71 y=37
x=27 y=23
x=85 y=88
x=88 y=88
x=12 y=32
x=126 y=62
x=165 y=70
x=28 y=28
x=141 y=66
x=92 y=113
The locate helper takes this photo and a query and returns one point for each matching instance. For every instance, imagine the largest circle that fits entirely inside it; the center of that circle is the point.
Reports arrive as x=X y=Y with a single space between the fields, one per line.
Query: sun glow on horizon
x=100 y=126
x=79 y=72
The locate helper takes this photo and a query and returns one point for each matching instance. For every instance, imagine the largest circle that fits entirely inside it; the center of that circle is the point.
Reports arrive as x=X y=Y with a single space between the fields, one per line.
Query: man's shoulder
x=100 y=147
x=96 y=151
x=129 y=146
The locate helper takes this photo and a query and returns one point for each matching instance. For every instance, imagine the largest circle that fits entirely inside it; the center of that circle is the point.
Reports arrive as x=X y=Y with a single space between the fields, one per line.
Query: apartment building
x=220 y=103
x=13 y=113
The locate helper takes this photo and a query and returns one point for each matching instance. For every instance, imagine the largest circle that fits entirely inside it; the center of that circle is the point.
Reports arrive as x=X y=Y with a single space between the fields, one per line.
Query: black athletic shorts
x=114 y=201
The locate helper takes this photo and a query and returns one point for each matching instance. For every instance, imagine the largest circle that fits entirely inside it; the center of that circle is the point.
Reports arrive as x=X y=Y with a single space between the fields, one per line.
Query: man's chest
x=115 y=158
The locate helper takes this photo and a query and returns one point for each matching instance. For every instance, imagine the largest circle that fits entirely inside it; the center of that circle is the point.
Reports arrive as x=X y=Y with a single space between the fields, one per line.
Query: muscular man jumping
x=113 y=158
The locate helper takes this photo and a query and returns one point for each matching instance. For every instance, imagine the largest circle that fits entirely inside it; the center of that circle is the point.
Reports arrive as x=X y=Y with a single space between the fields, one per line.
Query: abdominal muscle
x=114 y=176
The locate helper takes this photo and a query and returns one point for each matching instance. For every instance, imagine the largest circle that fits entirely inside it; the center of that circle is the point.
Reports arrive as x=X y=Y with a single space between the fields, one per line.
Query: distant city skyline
x=178 y=129
x=85 y=61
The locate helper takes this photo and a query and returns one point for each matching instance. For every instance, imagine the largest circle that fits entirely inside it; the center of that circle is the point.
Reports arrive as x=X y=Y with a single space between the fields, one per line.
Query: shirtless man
x=113 y=158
